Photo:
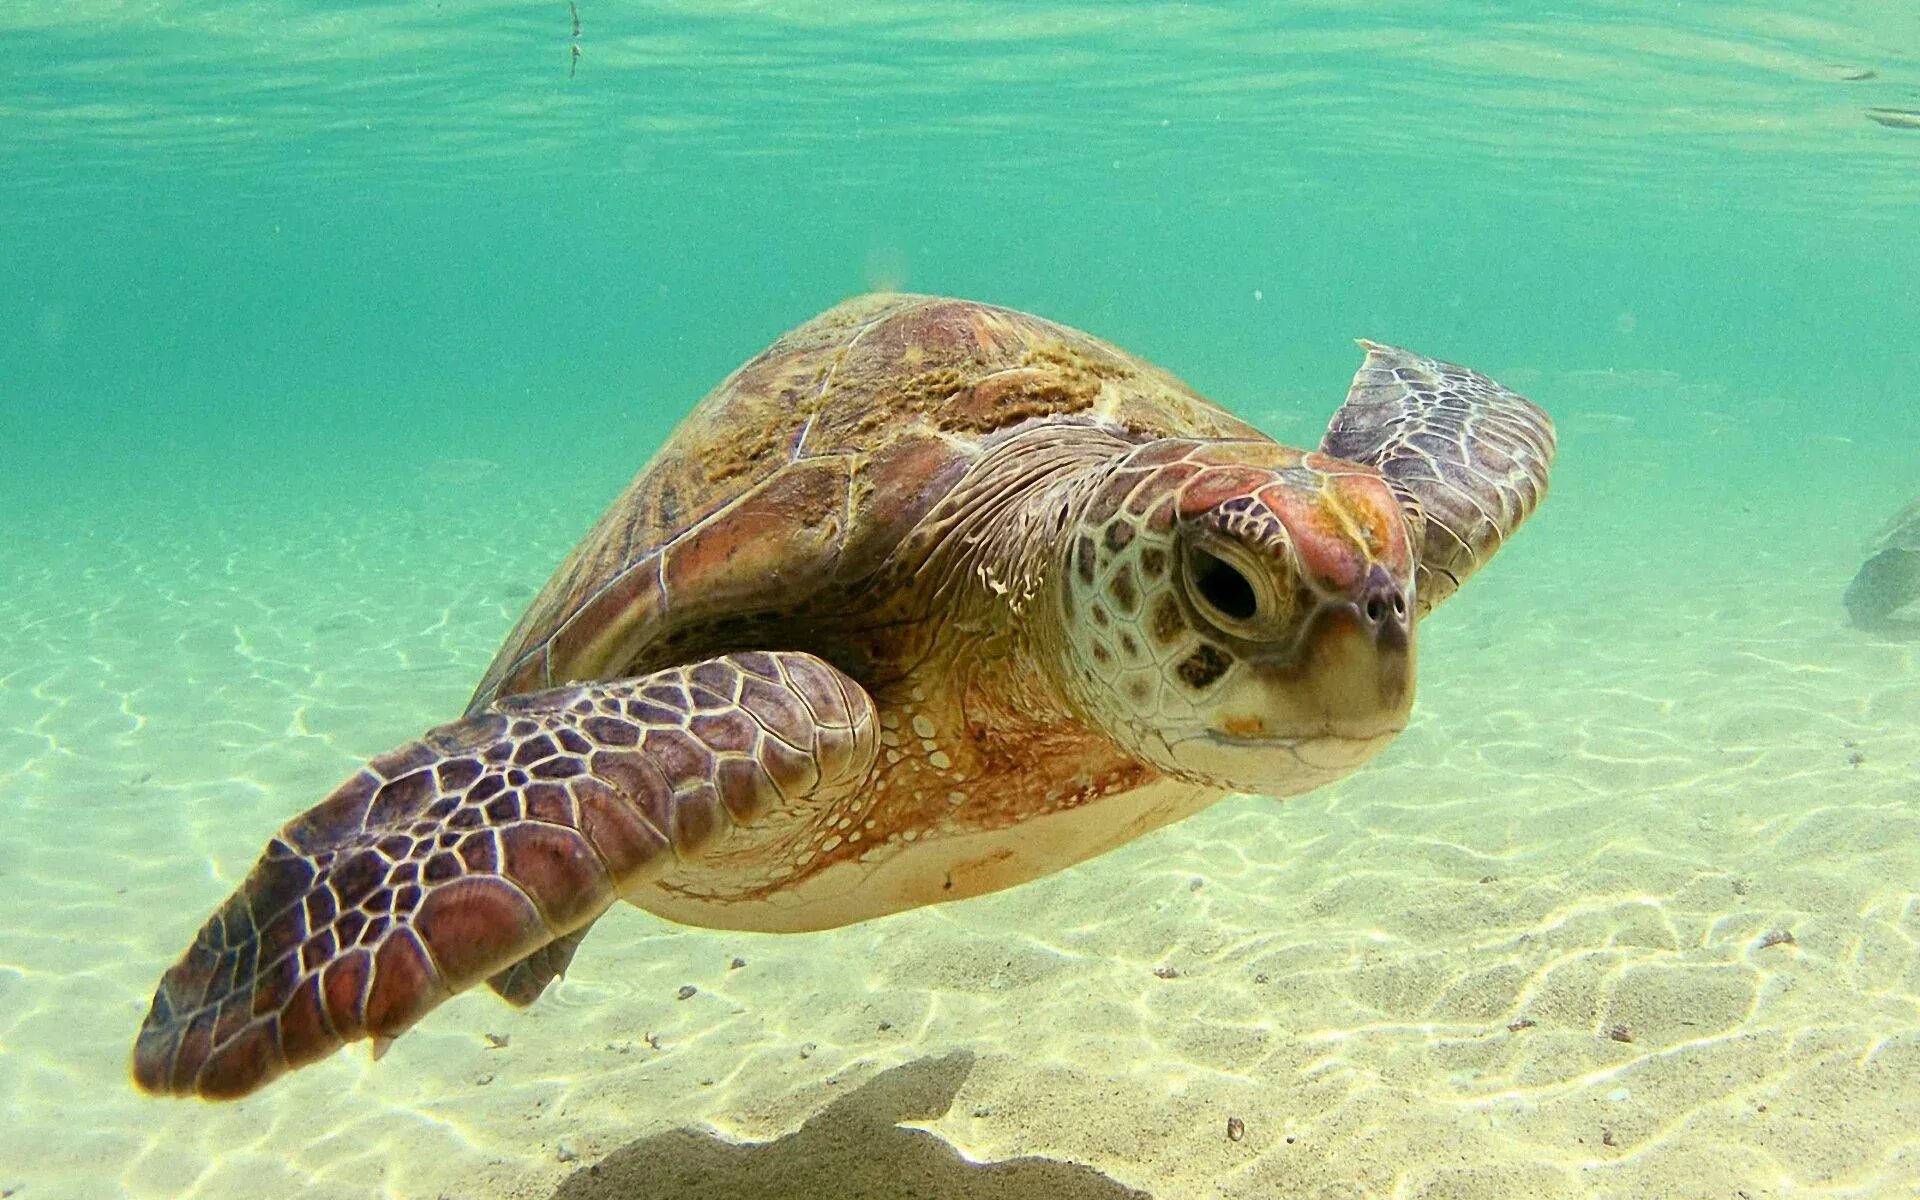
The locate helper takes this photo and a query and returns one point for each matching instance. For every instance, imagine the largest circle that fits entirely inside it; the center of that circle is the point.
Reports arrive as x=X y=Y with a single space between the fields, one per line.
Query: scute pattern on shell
x=801 y=473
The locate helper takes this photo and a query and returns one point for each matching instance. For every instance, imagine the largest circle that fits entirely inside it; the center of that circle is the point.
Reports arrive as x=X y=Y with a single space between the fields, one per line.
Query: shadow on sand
x=854 y=1149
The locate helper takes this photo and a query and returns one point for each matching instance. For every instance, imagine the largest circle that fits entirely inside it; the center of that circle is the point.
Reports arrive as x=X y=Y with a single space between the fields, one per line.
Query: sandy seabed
x=1632 y=910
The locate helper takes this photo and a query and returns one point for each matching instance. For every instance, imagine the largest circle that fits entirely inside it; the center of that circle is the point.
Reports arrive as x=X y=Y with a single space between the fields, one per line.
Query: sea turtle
x=1884 y=594
x=929 y=599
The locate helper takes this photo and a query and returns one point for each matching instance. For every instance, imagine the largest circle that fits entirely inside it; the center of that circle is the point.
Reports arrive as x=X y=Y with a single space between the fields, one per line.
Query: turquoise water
x=235 y=231
x=326 y=330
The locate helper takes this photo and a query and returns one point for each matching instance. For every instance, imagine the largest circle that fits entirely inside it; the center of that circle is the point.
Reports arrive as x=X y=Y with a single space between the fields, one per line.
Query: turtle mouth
x=1296 y=740
x=1277 y=764
x=1246 y=742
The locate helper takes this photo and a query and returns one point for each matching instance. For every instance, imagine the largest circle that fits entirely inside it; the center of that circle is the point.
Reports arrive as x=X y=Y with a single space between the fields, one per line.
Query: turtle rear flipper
x=522 y=983
x=485 y=849
x=1468 y=457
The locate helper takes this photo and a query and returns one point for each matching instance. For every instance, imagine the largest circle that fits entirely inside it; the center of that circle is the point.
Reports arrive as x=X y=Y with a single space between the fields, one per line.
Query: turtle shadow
x=853 y=1149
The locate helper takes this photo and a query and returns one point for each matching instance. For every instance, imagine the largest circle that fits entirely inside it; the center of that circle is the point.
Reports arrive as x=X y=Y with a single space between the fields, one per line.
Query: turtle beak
x=1306 y=714
x=1350 y=675
x=1363 y=649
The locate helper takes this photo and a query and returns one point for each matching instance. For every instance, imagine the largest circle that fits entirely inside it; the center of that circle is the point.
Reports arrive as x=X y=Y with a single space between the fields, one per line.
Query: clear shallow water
x=325 y=332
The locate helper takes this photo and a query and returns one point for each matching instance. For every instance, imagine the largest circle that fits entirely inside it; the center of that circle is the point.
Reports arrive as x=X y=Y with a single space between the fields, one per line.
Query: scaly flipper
x=1467 y=457
x=463 y=855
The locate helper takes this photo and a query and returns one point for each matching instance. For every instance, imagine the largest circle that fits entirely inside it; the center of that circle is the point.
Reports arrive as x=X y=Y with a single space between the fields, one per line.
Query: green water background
x=264 y=256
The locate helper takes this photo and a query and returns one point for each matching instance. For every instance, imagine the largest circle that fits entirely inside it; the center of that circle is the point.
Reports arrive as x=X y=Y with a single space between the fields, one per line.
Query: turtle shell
x=799 y=475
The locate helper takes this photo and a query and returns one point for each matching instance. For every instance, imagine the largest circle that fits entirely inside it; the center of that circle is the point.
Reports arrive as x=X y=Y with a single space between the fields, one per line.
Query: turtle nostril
x=1383 y=599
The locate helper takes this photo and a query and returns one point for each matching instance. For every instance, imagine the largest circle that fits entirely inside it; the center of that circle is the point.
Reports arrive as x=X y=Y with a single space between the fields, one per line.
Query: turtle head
x=1241 y=615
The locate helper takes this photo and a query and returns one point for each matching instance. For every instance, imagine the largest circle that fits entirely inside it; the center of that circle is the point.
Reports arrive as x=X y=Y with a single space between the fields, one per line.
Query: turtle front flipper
x=1468 y=457
x=457 y=857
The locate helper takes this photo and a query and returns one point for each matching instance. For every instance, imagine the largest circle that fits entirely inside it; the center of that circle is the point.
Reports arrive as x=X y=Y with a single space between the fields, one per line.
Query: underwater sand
x=1525 y=953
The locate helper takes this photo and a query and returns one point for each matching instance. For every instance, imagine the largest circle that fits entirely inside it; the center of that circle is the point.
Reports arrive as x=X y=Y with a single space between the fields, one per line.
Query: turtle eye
x=1222 y=587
